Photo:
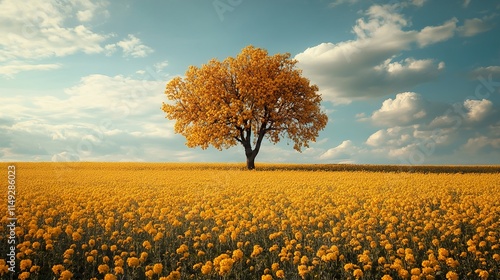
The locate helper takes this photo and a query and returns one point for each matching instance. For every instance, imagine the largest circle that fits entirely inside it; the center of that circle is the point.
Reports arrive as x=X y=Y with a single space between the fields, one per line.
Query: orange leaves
x=222 y=103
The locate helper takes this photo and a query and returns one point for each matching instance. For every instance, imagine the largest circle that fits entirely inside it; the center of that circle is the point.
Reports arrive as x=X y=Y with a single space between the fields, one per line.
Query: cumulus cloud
x=412 y=144
x=478 y=110
x=406 y=108
x=434 y=34
x=480 y=143
x=367 y=66
x=117 y=94
x=416 y=130
x=475 y=26
x=88 y=9
x=100 y=118
x=38 y=29
x=370 y=64
x=340 y=152
x=131 y=46
x=34 y=30
x=487 y=73
x=394 y=136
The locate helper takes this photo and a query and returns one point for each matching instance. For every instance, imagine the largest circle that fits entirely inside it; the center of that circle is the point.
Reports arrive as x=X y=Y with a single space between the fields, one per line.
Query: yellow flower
x=118 y=261
x=275 y=266
x=149 y=274
x=133 y=262
x=58 y=268
x=25 y=264
x=496 y=257
x=348 y=266
x=415 y=271
x=76 y=236
x=103 y=268
x=24 y=275
x=357 y=273
x=66 y=275
x=158 y=236
x=143 y=257
x=206 y=268
x=237 y=255
x=36 y=245
x=280 y=274
x=118 y=270
x=451 y=275
x=157 y=268
x=222 y=238
x=225 y=266
x=483 y=274
x=110 y=277
x=256 y=251
x=403 y=273
x=174 y=275
x=146 y=245
x=302 y=270
x=266 y=277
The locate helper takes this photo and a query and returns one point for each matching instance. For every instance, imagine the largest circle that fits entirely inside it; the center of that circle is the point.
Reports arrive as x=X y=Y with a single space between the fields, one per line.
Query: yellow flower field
x=182 y=221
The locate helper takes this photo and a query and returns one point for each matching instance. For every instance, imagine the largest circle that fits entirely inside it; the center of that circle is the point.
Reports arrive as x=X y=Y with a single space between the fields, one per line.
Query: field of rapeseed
x=157 y=221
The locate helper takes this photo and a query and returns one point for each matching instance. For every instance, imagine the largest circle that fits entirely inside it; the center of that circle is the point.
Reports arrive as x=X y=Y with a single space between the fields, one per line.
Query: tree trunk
x=251 y=161
x=249 y=152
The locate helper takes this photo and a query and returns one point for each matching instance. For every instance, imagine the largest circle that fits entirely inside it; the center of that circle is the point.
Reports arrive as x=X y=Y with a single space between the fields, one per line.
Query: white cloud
x=475 y=26
x=160 y=66
x=95 y=119
x=406 y=108
x=409 y=144
x=418 y=3
x=485 y=72
x=33 y=30
x=132 y=46
x=38 y=29
x=394 y=136
x=418 y=131
x=340 y=2
x=88 y=9
x=434 y=34
x=342 y=151
x=118 y=95
x=367 y=66
x=10 y=70
x=480 y=143
x=495 y=129
x=478 y=110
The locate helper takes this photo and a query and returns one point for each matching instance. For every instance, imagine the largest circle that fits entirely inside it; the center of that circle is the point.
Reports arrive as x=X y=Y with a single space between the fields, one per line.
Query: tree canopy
x=243 y=99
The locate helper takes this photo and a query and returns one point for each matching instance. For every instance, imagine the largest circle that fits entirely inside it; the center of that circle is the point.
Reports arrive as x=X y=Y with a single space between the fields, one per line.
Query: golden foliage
x=222 y=103
x=164 y=221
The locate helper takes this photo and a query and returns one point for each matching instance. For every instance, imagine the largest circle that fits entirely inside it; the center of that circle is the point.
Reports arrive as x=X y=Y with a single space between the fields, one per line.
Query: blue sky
x=411 y=82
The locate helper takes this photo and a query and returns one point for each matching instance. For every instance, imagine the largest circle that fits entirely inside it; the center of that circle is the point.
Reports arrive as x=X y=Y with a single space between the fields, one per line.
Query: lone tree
x=241 y=100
